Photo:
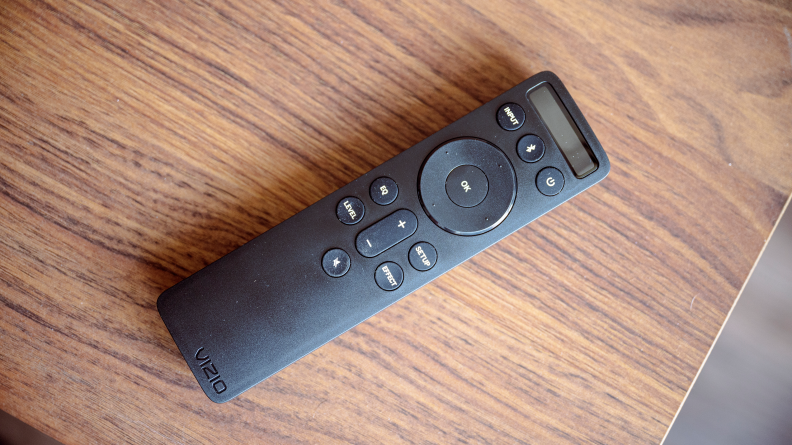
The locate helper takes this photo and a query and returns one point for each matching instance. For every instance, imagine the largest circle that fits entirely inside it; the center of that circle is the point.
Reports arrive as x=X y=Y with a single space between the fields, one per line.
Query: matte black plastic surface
x=267 y=304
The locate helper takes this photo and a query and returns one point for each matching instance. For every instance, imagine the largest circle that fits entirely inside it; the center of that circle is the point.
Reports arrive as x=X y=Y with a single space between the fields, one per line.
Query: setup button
x=422 y=256
x=550 y=181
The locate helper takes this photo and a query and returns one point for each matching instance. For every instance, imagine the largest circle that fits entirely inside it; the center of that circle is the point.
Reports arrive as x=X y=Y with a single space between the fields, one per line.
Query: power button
x=550 y=181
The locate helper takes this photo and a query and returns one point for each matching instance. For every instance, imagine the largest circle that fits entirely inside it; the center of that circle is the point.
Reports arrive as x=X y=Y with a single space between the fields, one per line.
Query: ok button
x=467 y=186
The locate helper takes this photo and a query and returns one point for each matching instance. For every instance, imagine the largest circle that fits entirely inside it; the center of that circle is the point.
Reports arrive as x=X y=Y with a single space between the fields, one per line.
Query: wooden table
x=140 y=141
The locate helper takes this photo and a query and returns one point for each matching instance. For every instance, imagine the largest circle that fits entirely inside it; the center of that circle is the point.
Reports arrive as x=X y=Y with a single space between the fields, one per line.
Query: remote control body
x=365 y=246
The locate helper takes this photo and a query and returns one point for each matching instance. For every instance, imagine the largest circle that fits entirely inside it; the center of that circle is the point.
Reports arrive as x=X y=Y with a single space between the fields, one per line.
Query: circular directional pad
x=467 y=186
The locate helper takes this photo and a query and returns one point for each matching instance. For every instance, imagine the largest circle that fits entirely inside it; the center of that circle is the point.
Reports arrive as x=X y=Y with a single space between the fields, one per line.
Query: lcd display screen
x=563 y=129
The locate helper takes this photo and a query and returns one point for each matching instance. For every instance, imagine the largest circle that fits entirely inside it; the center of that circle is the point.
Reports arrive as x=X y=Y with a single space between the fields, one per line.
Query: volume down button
x=386 y=233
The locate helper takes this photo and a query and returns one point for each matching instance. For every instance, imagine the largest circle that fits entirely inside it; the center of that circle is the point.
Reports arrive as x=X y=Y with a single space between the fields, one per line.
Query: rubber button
x=386 y=233
x=336 y=262
x=350 y=210
x=384 y=191
x=530 y=148
x=422 y=256
x=550 y=181
x=511 y=116
x=467 y=186
x=389 y=276
x=450 y=216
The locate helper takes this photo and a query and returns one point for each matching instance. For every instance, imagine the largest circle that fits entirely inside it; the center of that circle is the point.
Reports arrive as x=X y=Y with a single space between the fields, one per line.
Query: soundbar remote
x=370 y=243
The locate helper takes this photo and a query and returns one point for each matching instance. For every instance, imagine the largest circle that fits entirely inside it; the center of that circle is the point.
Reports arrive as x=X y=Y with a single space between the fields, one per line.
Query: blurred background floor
x=744 y=392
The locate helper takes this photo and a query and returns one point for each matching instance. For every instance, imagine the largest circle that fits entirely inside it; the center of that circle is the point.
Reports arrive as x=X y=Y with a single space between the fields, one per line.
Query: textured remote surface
x=382 y=236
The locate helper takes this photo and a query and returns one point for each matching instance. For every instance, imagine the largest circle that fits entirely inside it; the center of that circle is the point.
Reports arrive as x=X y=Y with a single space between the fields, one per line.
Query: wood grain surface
x=140 y=141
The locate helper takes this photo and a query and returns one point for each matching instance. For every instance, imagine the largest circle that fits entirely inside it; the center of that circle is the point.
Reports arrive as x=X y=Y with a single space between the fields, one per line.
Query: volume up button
x=386 y=233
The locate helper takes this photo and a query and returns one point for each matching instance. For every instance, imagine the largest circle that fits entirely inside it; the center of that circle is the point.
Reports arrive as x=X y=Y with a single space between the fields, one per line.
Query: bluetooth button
x=530 y=148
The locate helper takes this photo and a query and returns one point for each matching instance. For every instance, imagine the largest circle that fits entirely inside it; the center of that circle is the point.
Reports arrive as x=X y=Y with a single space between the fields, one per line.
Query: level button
x=386 y=233
x=350 y=210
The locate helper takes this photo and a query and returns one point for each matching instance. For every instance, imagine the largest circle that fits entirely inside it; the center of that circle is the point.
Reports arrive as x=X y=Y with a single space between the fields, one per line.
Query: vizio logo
x=210 y=371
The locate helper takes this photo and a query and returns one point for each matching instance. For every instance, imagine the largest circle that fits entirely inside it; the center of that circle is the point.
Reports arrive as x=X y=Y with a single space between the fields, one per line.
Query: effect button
x=550 y=181
x=389 y=276
x=336 y=263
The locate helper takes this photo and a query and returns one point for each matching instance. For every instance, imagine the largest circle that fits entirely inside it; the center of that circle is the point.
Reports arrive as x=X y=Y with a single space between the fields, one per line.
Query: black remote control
x=365 y=246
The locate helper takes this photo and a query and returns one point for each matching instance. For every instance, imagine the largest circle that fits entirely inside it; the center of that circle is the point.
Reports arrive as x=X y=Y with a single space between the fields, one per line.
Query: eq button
x=386 y=233
x=383 y=191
